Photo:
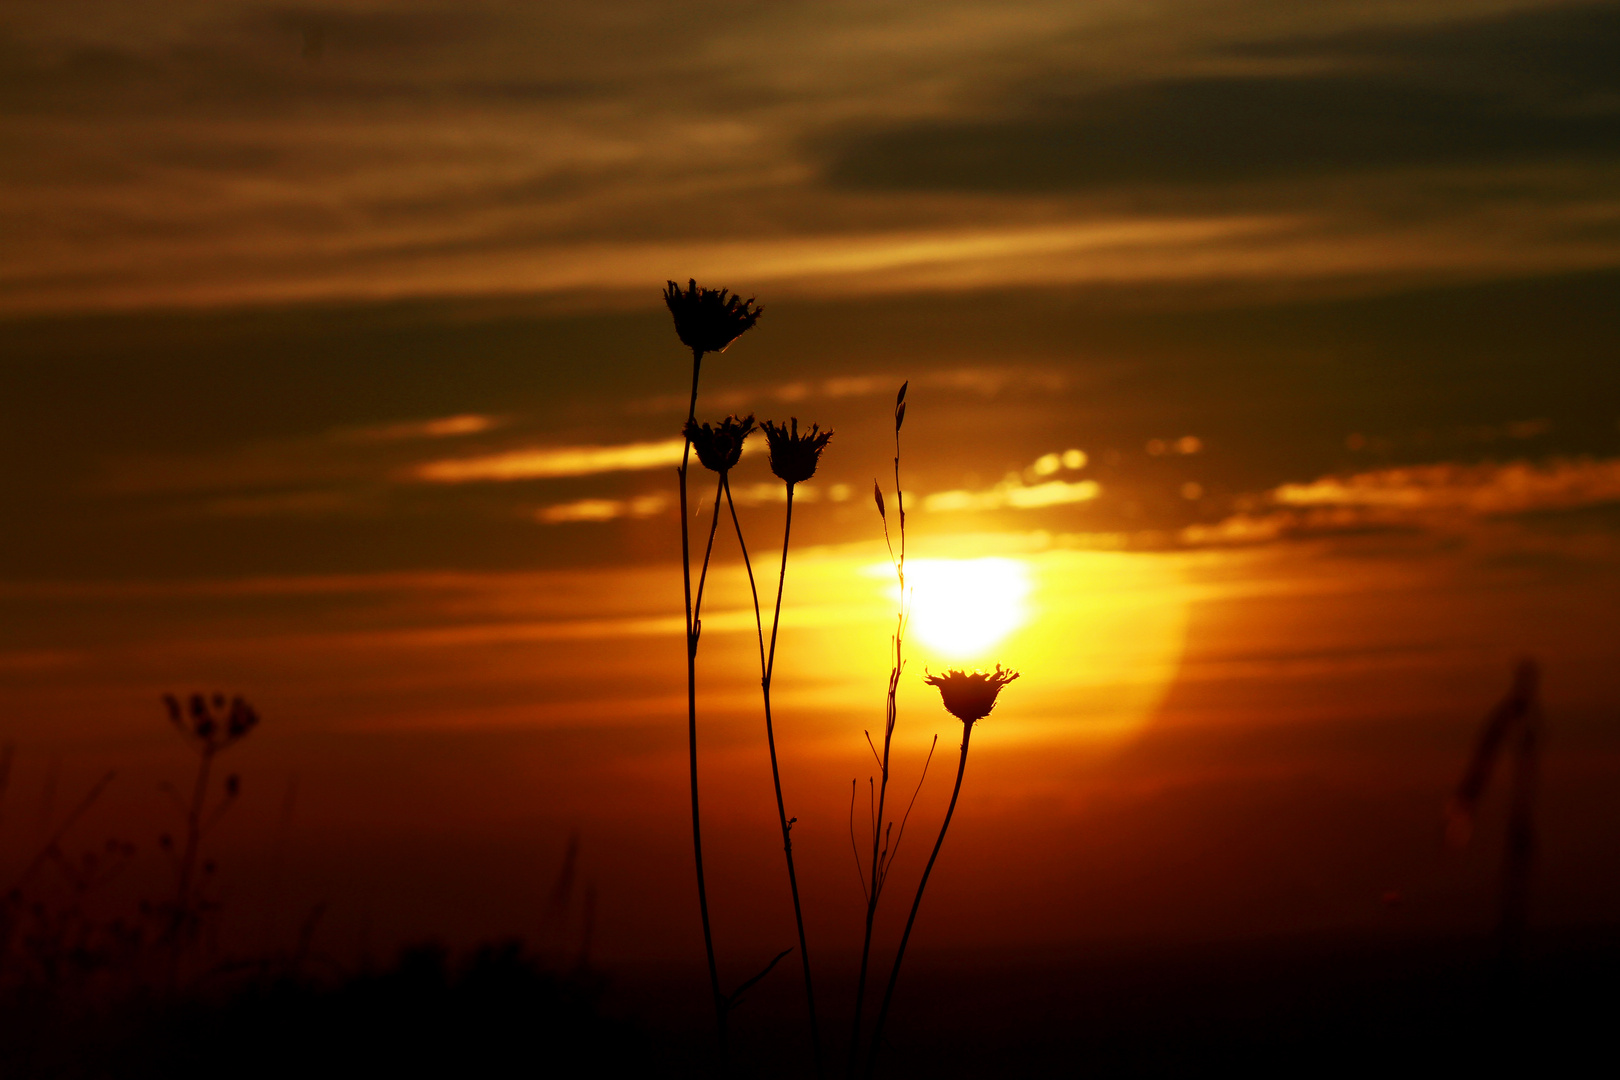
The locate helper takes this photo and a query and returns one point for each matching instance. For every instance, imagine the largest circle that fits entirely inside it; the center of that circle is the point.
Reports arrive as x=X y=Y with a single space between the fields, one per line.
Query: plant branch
x=776 y=780
x=911 y=920
x=691 y=719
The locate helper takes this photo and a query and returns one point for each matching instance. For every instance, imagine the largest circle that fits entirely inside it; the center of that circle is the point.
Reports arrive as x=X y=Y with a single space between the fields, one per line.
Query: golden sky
x=1262 y=391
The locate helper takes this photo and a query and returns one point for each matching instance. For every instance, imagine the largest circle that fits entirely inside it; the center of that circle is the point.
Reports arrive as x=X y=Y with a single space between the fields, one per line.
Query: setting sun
x=964 y=606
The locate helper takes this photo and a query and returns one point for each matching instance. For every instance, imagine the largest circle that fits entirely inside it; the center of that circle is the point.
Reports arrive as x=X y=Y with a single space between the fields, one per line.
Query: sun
x=962 y=607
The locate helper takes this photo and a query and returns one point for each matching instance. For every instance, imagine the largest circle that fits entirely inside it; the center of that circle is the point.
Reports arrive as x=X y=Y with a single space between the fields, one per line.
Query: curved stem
x=188 y=861
x=697 y=603
x=759 y=626
x=894 y=975
x=691 y=720
x=781 y=810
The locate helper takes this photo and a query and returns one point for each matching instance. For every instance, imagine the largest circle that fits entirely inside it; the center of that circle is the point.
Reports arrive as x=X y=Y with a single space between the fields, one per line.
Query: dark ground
x=1304 y=1007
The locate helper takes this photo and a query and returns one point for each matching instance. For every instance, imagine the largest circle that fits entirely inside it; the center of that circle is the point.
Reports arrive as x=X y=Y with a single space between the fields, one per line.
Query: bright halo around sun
x=961 y=607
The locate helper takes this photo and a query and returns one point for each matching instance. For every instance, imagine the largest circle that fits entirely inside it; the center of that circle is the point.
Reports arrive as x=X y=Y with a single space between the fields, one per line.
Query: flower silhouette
x=970 y=696
x=707 y=320
x=213 y=724
x=719 y=447
x=794 y=456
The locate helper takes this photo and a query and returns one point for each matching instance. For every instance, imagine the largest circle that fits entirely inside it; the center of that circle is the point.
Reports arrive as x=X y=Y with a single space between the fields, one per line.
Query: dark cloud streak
x=1533 y=87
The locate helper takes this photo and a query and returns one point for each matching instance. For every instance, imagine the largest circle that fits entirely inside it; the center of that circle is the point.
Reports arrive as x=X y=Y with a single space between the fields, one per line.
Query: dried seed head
x=970 y=696
x=211 y=722
x=794 y=456
x=719 y=447
x=708 y=320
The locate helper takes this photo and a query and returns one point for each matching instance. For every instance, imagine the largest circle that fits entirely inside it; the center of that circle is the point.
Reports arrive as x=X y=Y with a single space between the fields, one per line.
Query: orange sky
x=1261 y=377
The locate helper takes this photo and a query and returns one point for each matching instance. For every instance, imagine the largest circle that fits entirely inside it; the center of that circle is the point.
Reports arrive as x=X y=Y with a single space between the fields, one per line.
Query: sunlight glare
x=963 y=606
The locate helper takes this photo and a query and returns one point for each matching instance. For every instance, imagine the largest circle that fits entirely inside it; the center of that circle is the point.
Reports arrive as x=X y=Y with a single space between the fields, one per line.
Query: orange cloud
x=556 y=461
x=1416 y=496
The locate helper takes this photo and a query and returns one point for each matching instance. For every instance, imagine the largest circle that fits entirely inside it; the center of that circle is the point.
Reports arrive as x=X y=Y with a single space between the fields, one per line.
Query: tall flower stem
x=194 y=831
x=759 y=628
x=878 y=869
x=691 y=715
x=776 y=779
x=894 y=974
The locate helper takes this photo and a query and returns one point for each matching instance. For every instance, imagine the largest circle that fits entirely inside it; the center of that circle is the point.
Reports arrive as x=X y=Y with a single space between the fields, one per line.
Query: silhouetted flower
x=708 y=320
x=212 y=723
x=794 y=456
x=970 y=696
x=720 y=447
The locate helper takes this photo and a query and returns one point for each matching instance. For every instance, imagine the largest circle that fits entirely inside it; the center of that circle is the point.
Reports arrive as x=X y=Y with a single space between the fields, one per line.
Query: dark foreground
x=1274 y=1008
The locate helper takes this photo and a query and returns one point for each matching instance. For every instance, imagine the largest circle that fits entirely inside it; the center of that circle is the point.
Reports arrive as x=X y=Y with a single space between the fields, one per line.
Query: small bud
x=899 y=417
x=877 y=495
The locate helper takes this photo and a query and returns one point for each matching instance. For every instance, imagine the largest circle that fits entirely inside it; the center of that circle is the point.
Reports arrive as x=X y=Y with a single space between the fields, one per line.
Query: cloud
x=1417 y=497
x=1536 y=85
x=241 y=153
x=1023 y=490
x=1013 y=494
x=559 y=461
x=982 y=381
x=642 y=506
x=301 y=470
x=1514 y=488
x=438 y=428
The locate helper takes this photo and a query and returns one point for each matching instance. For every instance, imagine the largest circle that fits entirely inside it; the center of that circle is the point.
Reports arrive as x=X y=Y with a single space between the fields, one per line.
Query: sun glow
x=962 y=607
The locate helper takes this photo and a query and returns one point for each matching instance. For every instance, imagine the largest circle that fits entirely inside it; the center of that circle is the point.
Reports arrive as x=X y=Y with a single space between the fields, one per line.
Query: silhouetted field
x=497 y=1011
x=1302 y=1007
x=1285 y=1007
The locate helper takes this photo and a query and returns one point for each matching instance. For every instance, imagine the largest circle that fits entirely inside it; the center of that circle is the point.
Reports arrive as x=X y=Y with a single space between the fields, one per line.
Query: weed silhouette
x=706 y=320
x=969 y=697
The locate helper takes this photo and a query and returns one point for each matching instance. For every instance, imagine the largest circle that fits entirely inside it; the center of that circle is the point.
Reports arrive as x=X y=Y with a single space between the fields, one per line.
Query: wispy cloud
x=1012 y=493
x=651 y=505
x=1513 y=488
x=1026 y=490
x=897 y=146
x=438 y=428
x=980 y=381
x=1417 y=496
x=304 y=463
x=642 y=506
x=542 y=463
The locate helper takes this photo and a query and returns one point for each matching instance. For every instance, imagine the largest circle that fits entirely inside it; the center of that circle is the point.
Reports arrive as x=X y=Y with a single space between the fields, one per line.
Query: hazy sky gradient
x=335 y=372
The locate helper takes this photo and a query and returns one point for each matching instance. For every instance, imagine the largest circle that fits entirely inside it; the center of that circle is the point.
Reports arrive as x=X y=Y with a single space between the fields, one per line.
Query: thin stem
x=697 y=603
x=880 y=855
x=907 y=815
x=781 y=809
x=759 y=626
x=894 y=975
x=691 y=721
x=860 y=872
x=194 y=827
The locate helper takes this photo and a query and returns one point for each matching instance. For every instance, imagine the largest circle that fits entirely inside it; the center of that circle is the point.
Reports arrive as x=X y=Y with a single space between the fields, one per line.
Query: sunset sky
x=1263 y=411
